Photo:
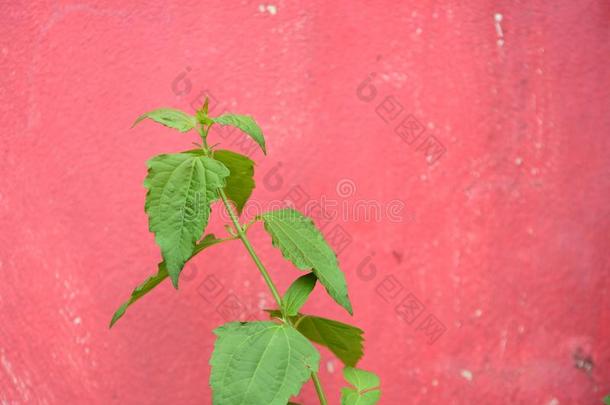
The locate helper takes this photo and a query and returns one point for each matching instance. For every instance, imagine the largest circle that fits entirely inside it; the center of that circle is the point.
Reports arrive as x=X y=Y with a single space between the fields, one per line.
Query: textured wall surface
x=480 y=133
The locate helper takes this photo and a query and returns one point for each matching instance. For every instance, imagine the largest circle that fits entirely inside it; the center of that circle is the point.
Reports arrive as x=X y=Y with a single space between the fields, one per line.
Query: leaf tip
x=138 y=120
x=117 y=315
x=348 y=308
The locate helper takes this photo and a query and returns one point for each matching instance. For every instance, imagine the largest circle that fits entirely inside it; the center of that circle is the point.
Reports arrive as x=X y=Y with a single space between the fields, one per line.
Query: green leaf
x=301 y=243
x=246 y=124
x=607 y=400
x=181 y=188
x=345 y=341
x=298 y=292
x=240 y=182
x=169 y=117
x=260 y=363
x=153 y=281
x=365 y=390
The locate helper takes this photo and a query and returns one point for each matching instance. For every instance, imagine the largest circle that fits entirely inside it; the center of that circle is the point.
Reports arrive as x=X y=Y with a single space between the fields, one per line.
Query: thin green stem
x=319 y=389
x=242 y=235
x=203 y=134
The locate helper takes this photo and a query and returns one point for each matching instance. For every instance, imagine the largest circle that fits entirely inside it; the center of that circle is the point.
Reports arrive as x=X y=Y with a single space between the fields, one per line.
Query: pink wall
x=503 y=239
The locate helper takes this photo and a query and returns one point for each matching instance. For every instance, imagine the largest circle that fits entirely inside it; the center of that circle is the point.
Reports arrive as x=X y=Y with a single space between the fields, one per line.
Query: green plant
x=262 y=362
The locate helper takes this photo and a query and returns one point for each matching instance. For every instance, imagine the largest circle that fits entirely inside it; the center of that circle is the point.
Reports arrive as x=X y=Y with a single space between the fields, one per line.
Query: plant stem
x=319 y=389
x=203 y=134
x=242 y=235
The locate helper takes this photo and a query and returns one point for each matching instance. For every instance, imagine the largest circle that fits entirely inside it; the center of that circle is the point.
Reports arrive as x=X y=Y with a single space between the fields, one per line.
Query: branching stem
x=241 y=234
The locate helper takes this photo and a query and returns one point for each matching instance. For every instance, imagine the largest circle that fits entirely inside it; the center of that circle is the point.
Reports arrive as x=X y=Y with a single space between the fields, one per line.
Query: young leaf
x=169 y=117
x=298 y=292
x=301 y=243
x=246 y=124
x=240 y=182
x=260 y=363
x=181 y=188
x=153 y=281
x=365 y=390
x=345 y=341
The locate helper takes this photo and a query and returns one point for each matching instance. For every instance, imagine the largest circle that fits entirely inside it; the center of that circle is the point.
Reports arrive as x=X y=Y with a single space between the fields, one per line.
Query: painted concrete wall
x=480 y=133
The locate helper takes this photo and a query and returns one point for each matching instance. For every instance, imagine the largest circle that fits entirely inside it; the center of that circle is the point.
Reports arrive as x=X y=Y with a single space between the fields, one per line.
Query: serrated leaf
x=170 y=117
x=298 y=292
x=240 y=182
x=345 y=341
x=260 y=363
x=365 y=390
x=153 y=281
x=181 y=188
x=246 y=124
x=301 y=243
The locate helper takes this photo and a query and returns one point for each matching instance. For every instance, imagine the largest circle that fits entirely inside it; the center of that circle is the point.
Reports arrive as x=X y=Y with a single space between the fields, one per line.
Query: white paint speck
x=466 y=374
x=330 y=367
x=21 y=384
x=270 y=8
x=554 y=401
x=500 y=34
x=435 y=383
x=478 y=313
x=518 y=161
x=262 y=302
x=77 y=320
x=503 y=342
x=418 y=31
